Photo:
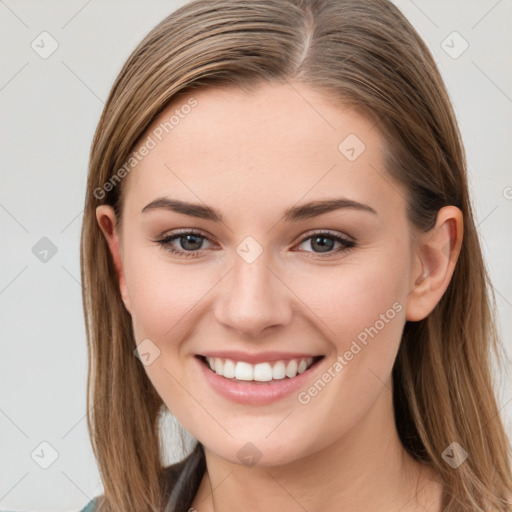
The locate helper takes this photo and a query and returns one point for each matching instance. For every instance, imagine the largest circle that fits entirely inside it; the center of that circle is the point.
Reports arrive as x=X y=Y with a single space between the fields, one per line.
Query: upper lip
x=260 y=357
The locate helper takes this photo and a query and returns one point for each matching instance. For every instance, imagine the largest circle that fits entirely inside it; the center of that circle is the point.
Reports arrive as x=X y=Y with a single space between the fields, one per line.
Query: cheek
x=362 y=311
x=161 y=293
x=349 y=299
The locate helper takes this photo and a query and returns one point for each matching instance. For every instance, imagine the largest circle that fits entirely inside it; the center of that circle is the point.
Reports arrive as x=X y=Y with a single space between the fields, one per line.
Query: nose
x=253 y=299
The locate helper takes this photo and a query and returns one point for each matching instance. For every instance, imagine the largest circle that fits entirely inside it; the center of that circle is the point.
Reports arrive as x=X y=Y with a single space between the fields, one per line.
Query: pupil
x=324 y=243
x=324 y=247
x=188 y=239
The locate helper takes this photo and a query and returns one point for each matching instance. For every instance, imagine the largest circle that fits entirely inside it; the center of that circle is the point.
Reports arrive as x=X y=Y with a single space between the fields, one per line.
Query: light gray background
x=50 y=108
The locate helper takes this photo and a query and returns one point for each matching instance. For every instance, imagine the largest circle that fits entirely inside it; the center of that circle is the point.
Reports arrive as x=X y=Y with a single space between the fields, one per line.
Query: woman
x=327 y=336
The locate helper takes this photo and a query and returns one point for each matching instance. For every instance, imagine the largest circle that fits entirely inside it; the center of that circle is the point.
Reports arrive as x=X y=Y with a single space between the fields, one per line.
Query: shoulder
x=181 y=480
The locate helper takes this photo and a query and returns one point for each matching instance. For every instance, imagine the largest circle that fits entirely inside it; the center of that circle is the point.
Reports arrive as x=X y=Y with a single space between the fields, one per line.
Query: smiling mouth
x=243 y=371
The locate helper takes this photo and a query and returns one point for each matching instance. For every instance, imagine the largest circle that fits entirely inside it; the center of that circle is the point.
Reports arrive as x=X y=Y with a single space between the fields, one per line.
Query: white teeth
x=291 y=369
x=243 y=371
x=278 y=371
x=301 y=369
x=229 y=369
x=219 y=366
x=261 y=372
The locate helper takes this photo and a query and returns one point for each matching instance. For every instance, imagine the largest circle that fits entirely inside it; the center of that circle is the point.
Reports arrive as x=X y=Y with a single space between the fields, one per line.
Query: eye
x=190 y=242
x=324 y=242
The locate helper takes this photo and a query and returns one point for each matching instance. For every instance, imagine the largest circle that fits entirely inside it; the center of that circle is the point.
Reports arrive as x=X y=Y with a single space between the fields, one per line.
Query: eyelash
x=165 y=243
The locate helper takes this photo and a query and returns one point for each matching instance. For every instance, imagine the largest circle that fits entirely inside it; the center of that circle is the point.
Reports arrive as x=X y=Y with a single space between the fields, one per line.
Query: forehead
x=278 y=143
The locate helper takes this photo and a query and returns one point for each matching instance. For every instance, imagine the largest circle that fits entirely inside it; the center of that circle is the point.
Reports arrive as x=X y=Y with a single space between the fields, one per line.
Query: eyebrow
x=293 y=214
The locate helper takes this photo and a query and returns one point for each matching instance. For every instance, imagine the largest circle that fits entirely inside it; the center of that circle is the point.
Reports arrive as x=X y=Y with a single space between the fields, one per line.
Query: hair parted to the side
x=362 y=54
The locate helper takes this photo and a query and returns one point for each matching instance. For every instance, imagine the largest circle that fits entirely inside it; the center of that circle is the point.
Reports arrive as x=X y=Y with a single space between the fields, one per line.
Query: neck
x=366 y=469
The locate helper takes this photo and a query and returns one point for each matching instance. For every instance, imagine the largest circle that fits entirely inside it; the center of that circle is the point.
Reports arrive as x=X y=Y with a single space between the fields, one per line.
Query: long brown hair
x=362 y=54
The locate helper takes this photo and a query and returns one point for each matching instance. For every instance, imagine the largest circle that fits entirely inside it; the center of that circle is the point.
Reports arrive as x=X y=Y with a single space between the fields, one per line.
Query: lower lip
x=257 y=393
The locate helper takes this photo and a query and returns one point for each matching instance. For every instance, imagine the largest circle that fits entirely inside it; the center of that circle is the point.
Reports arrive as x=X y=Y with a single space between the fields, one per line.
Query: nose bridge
x=253 y=297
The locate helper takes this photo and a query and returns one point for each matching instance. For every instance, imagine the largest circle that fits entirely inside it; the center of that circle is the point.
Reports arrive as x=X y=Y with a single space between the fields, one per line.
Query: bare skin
x=251 y=157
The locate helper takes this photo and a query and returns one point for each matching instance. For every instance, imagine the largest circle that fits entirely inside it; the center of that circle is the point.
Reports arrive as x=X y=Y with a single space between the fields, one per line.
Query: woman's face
x=300 y=253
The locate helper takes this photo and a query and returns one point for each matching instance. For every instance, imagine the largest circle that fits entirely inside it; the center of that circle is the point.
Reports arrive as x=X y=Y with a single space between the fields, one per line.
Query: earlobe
x=107 y=222
x=437 y=254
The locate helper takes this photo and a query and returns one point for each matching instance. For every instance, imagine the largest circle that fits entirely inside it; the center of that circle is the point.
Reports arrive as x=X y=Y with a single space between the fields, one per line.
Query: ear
x=437 y=252
x=108 y=224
